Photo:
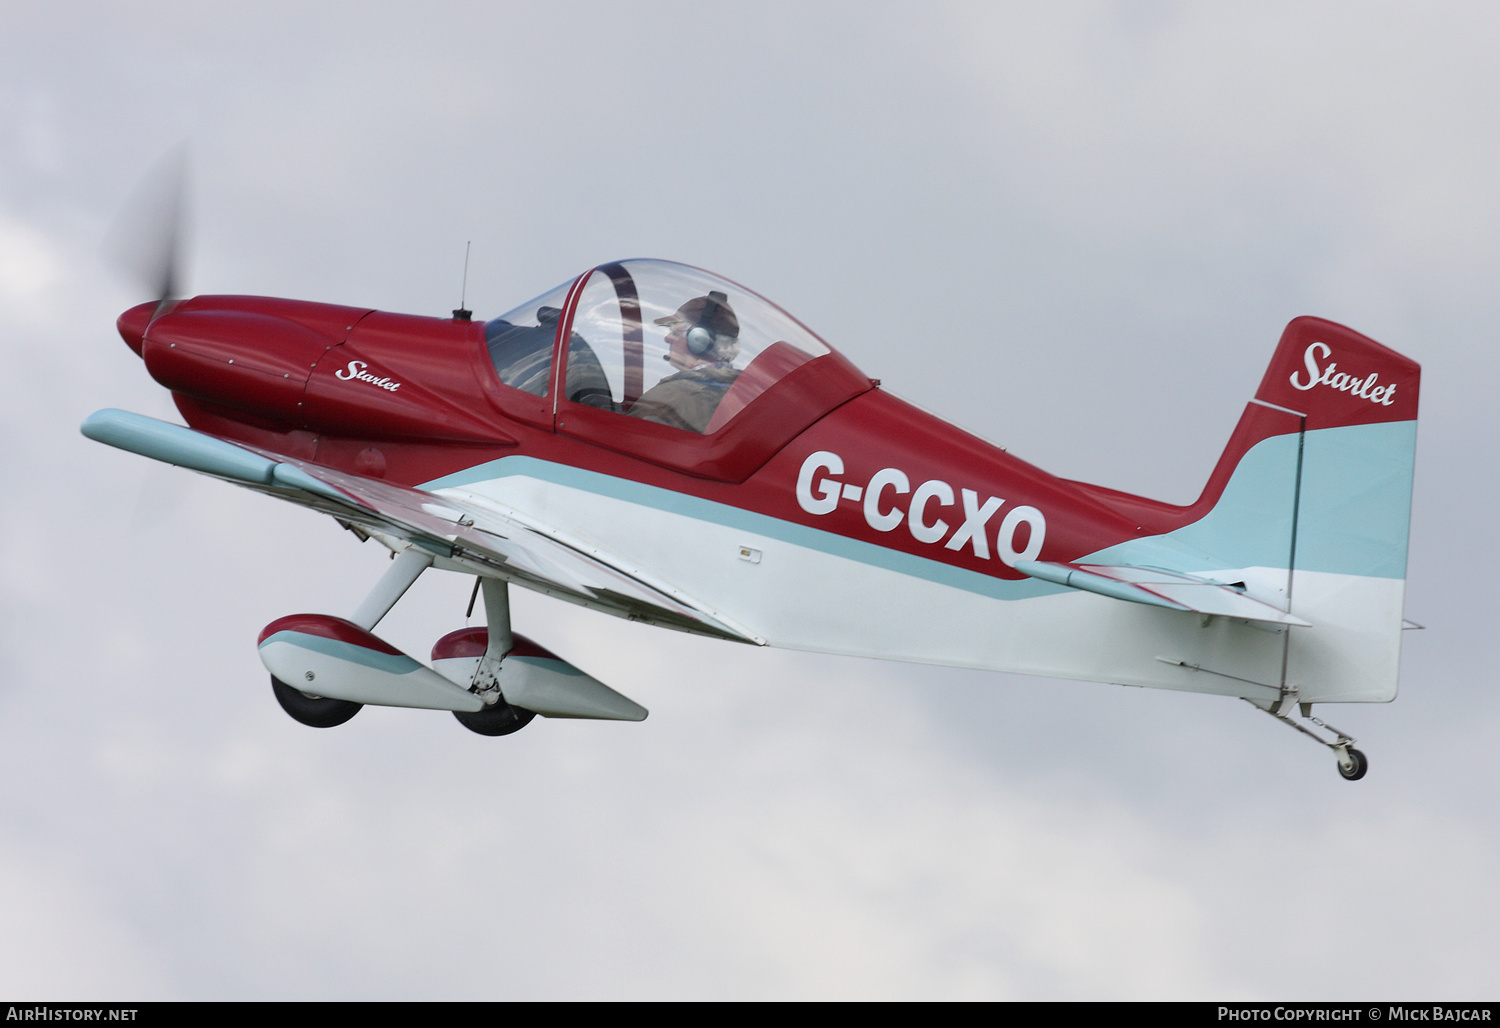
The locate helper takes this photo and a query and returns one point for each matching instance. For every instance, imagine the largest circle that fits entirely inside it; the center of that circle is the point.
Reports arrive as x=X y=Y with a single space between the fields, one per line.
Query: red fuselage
x=410 y=399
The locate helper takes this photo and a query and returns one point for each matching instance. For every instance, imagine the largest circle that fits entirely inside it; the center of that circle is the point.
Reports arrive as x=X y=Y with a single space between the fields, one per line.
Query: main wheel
x=1361 y=765
x=499 y=719
x=313 y=711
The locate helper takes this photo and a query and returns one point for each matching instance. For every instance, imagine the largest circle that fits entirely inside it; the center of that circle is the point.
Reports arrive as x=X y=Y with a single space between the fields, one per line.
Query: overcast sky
x=1074 y=229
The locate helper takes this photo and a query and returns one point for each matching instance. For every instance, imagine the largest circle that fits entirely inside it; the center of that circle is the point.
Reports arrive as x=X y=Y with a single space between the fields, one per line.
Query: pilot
x=703 y=339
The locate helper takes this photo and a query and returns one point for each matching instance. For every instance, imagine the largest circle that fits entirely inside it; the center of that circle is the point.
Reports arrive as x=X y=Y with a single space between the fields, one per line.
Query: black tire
x=313 y=711
x=499 y=719
x=1361 y=765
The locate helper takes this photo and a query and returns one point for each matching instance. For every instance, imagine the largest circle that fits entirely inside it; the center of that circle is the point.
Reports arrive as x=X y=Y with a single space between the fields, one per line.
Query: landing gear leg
x=404 y=570
x=1352 y=763
x=497 y=717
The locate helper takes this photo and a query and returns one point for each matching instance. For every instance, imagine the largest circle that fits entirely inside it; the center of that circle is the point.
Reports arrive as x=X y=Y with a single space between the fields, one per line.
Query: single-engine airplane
x=659 y=443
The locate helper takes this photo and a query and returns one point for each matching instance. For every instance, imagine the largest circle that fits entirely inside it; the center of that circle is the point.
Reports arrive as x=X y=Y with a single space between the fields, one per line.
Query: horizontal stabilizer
x=1159 y=588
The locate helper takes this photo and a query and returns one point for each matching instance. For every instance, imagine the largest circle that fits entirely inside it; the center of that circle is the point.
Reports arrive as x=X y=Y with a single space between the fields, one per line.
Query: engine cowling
x=250 y=354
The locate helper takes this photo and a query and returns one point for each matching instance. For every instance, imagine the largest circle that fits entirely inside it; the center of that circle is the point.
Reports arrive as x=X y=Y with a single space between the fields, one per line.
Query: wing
x=1159 y=588
x=499 y=541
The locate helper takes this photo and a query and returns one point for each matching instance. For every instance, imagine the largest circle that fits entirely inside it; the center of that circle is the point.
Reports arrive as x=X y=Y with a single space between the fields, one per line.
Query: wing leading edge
x=501 y=542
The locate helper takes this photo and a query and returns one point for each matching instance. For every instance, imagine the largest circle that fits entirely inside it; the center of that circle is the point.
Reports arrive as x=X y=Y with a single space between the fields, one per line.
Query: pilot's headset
x=701 y=338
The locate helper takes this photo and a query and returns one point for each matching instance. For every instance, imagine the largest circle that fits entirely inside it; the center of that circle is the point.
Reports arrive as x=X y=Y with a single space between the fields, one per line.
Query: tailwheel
x=498 y=718
x=1352 y=763
x=1355 y=769
x=310 y=710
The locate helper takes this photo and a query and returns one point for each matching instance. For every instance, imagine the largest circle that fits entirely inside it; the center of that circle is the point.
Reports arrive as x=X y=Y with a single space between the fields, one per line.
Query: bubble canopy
x=670 y=363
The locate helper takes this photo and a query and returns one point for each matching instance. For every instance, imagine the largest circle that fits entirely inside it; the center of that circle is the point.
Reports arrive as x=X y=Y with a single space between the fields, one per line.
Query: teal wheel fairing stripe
x=390 y=663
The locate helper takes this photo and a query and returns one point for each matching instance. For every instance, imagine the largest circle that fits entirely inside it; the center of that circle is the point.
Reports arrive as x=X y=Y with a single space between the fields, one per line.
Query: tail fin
x=1317 y=479
x=1339 y=378
x=1322 y=376
x=1307 y=510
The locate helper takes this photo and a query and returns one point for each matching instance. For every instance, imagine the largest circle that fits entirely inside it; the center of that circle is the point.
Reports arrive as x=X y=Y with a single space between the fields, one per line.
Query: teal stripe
x=391 y=663
x=1355 y=510
x=1354 y=513
x=747 y=521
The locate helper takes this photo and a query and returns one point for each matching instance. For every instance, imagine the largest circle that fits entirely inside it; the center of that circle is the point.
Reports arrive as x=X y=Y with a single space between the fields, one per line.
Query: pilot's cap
x=711 y=312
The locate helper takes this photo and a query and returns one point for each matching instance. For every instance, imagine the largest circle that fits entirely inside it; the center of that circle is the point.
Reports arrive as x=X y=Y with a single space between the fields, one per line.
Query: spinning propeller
x=147 y=240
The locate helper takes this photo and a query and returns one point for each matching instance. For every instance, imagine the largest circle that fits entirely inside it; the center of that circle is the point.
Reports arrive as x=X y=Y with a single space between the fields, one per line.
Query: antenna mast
x=463 y=313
